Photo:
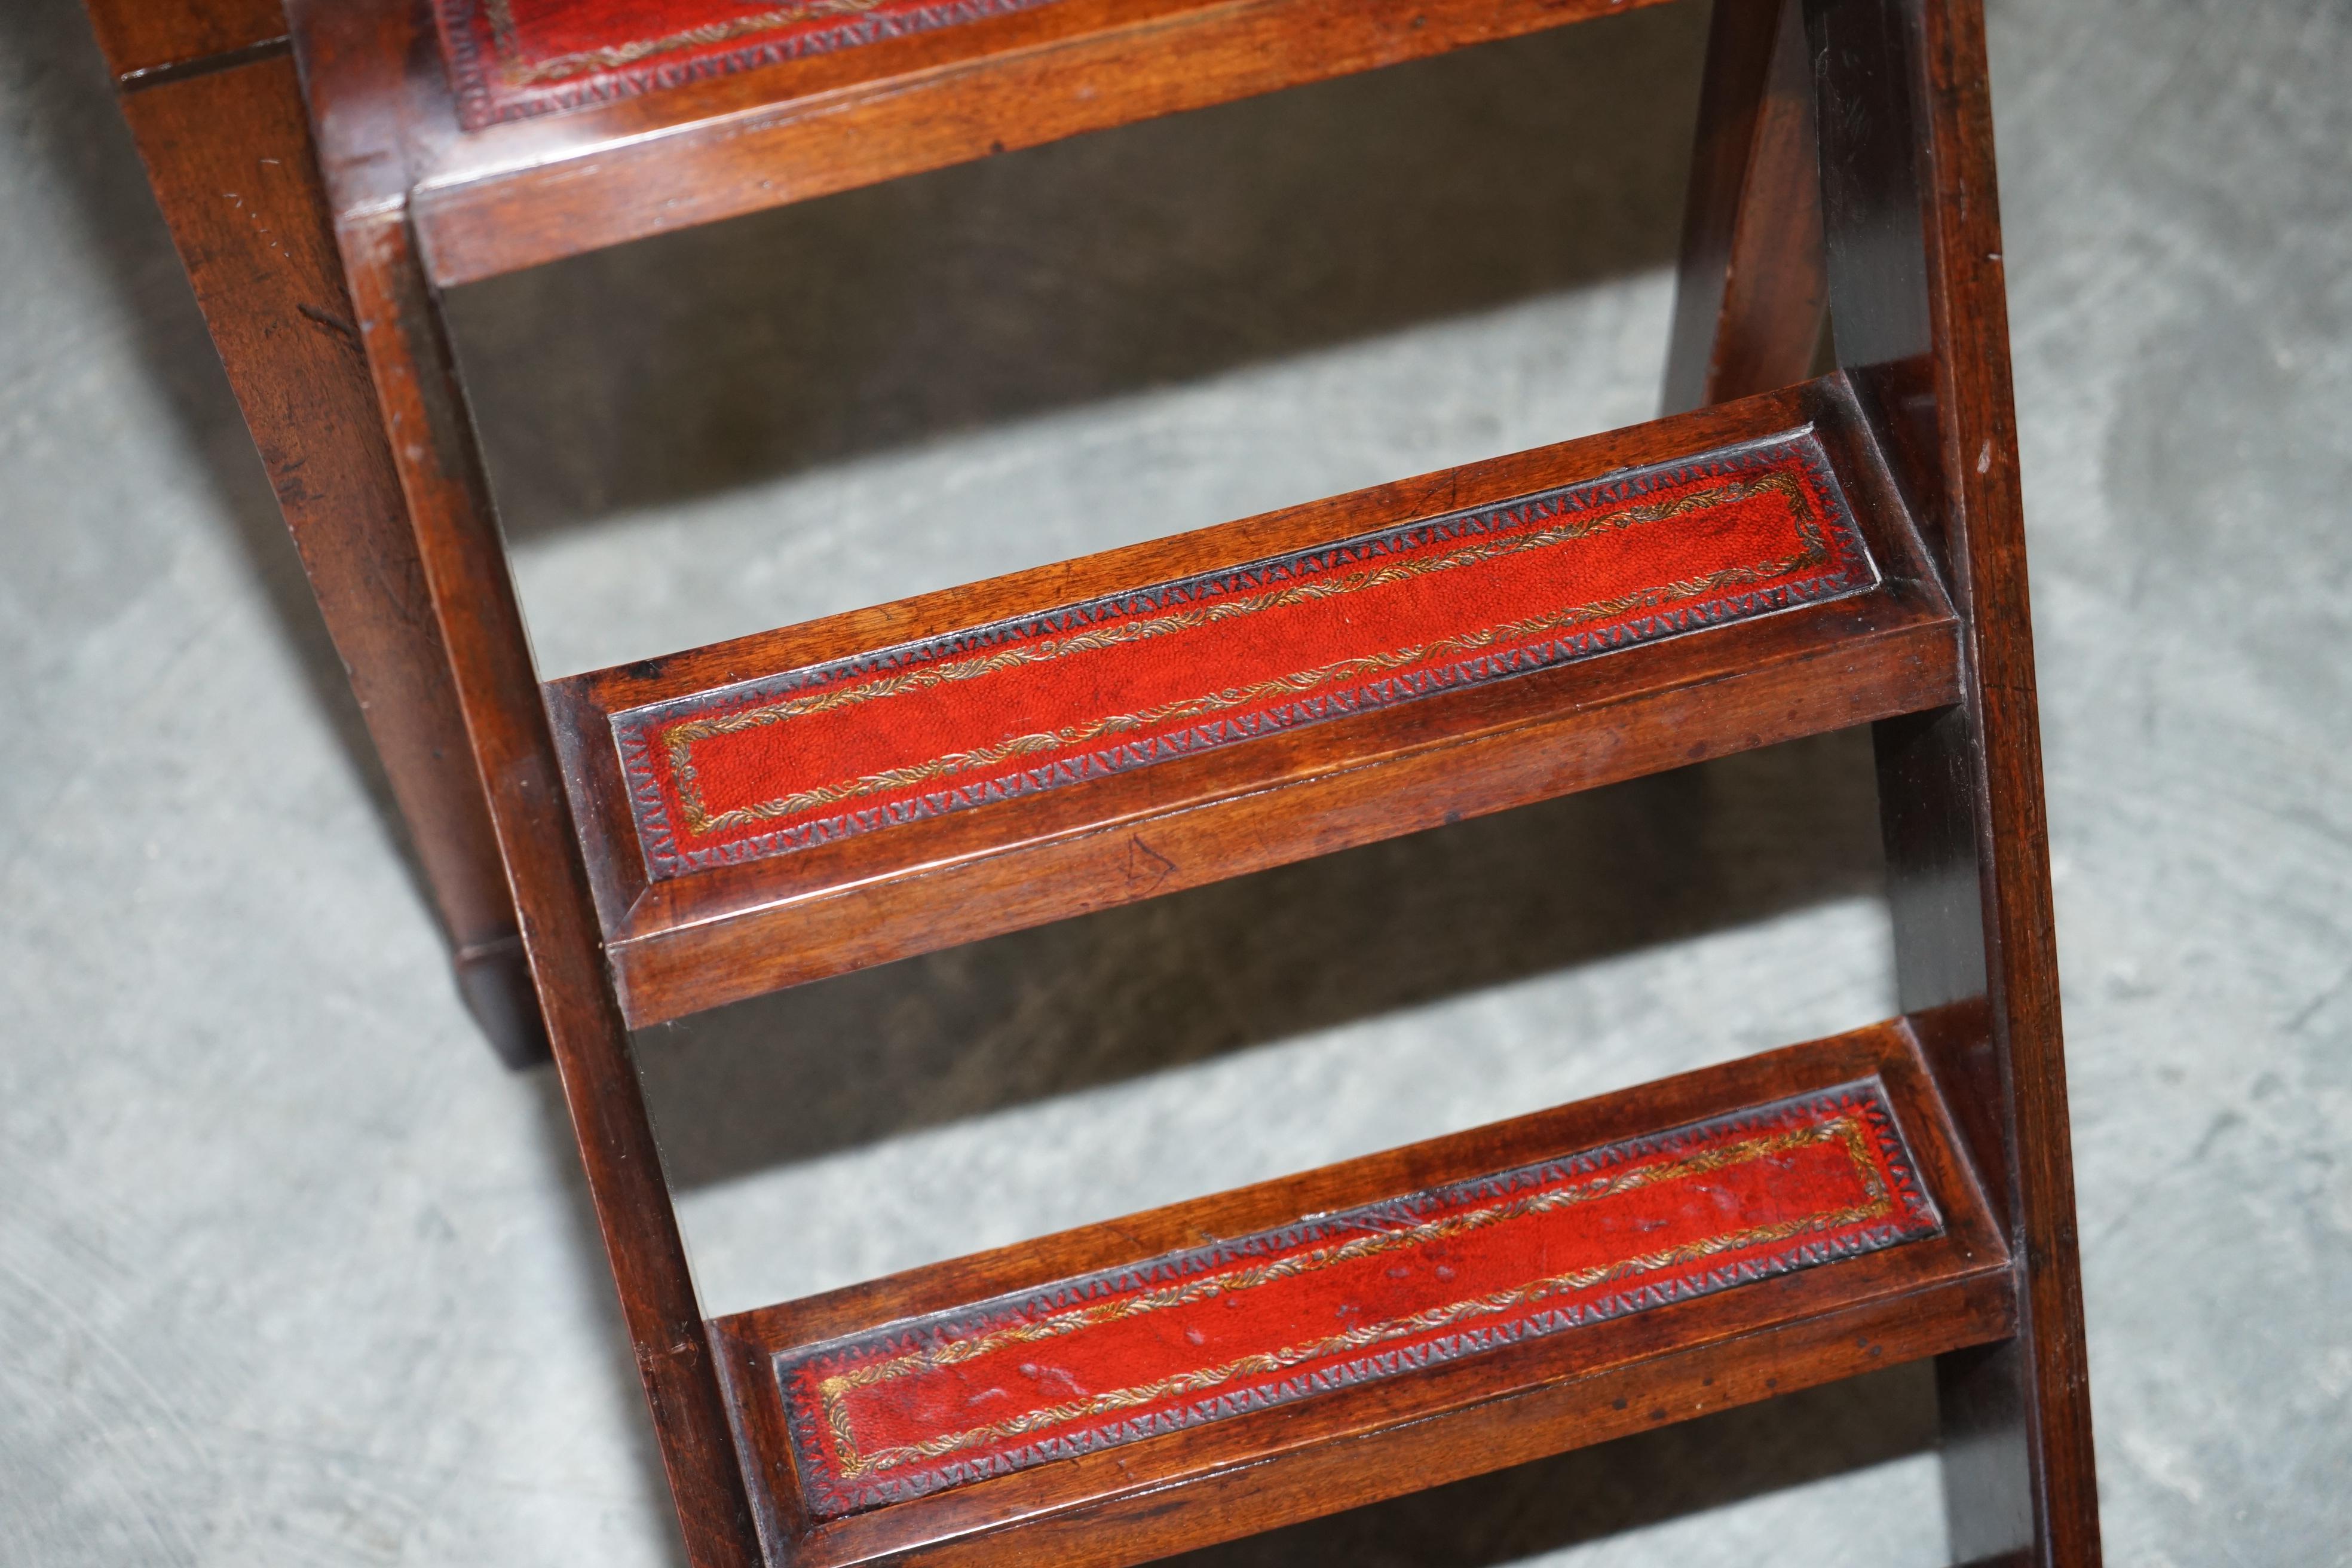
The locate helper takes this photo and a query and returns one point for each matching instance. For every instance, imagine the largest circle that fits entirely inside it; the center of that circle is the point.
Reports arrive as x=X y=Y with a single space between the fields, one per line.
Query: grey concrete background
x=290 y=1272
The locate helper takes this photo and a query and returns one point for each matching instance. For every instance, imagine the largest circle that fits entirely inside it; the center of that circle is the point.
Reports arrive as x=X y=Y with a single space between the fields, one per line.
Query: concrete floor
x=292 y=1272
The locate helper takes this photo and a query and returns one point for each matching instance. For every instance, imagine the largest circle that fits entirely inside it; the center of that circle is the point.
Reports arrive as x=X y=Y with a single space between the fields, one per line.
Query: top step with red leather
x=509 y=59
x=553 y=127
x=826 y=797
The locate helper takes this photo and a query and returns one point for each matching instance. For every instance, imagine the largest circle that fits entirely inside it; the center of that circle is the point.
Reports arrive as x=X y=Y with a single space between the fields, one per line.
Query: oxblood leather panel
x=778 y=764
x=1335 y=1300
x=508 y=58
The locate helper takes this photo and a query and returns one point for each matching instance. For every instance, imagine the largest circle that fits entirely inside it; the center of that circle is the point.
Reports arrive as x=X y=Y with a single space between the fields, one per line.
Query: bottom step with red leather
x=1355 y=1332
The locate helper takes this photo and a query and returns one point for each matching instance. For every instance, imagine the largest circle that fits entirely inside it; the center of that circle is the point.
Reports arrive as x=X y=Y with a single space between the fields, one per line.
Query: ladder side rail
x=1916 y=292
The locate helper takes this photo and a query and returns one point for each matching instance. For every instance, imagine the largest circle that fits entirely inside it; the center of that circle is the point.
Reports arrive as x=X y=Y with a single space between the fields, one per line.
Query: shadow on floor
x=75 y=123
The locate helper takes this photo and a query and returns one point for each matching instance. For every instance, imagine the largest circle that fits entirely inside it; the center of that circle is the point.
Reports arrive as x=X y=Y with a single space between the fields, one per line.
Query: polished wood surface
x=147 y=39
x=720 y=935
x=1357 y=1445
x=472 y=600
x=1750 y=295
x=1915 y=277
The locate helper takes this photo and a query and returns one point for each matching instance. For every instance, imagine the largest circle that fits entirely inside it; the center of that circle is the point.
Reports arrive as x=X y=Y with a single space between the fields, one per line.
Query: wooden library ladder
x=1782 y=555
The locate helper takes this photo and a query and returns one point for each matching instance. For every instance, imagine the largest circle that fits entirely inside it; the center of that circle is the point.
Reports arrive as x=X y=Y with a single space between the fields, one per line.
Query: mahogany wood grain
x=516 y=195
x=1917 y=289
x=695 y=942
x=471 y=596
x=143 y=39
x=1750 y=293
x=228 y=153
x=1375 y=1440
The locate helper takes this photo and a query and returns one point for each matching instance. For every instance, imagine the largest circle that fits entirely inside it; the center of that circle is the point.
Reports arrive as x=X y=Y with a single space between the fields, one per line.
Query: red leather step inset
x=1335 y=1300
x=778 y=763
x=510 y=59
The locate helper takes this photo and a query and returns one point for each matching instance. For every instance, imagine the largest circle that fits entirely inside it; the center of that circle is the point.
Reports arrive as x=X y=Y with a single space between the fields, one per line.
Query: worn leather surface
x=510 y=59
x=1339 y=1300
x=1230 y=657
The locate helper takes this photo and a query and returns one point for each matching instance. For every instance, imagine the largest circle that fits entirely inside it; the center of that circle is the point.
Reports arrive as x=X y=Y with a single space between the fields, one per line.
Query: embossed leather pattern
x=1338 y=1301
x=508 y=58
x=771 y=765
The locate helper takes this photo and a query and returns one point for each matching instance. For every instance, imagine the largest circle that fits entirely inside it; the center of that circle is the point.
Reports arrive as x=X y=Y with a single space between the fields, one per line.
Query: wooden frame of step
x=1337 y=1450
x=680 y=946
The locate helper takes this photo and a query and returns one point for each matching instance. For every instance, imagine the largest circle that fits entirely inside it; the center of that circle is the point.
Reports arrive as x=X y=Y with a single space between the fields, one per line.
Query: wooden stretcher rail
x=827 y=797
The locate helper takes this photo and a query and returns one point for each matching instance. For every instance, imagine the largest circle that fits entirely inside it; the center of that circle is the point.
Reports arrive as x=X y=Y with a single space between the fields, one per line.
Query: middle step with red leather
x=1161 y=716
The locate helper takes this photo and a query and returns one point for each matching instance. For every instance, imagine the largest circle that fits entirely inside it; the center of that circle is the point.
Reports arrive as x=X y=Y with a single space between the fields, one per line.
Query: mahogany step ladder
x=1785 y=554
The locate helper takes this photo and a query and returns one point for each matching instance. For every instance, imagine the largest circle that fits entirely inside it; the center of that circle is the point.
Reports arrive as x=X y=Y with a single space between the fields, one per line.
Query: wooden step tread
x=1078 y=692
x=553 y=127
x=1433 y=1311
x=878 y=783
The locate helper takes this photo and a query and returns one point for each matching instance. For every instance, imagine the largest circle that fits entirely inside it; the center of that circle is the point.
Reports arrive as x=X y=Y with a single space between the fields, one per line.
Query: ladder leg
x=472 y=599
x=229 y=155
x=1914 y=258
x=1750 y=295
